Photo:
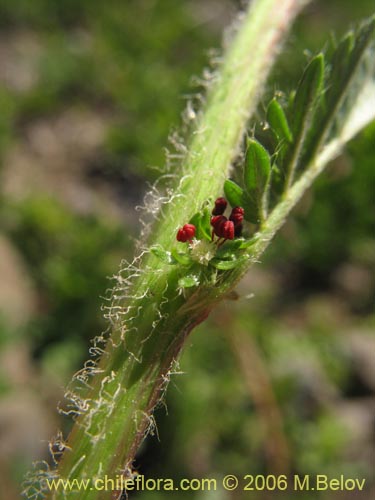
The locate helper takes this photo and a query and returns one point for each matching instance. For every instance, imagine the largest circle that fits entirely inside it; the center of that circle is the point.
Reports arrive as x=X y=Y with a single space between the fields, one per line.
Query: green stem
x=218 y=133
x=150 y=318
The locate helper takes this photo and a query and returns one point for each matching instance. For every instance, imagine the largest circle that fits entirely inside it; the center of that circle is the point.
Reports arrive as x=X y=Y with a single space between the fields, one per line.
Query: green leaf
x=350 y=78
x=233 y=193
x=257 y=172
x=188 y=281
x=341 y=59
x=252 y=208
x=201 y=221
x=309 y=90
x=249 y=243
x=278 y=121
x=229 y=248
x=181 y=257
x=303 y=108
x=347 y=77
x=162 y=254
x=205 y=224
x=225 y=265
x=257 y=167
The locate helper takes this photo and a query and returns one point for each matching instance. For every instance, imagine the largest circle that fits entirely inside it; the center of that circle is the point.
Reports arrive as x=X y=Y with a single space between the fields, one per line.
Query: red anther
x=217 y=222
x=237 y=215
x=220 y=206
x=181 y=236
x=238 y=210
x=186 y=233
x=227 y=230
x=189 y=231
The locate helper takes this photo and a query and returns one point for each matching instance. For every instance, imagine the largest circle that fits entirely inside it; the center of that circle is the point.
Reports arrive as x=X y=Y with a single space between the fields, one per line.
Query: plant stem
x=232 y=100
x=150 y=319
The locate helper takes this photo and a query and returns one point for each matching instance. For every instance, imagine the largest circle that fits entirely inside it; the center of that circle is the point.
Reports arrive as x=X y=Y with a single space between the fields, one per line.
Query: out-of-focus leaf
x=308 y=92
x=278 y=121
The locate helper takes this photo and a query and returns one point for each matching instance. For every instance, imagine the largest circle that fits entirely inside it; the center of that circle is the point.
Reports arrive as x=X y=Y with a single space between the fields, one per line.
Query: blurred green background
x=89 y=91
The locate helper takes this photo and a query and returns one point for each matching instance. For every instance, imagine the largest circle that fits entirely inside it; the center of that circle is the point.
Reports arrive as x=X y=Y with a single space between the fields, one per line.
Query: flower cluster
x=222 y=227
x=186 y=233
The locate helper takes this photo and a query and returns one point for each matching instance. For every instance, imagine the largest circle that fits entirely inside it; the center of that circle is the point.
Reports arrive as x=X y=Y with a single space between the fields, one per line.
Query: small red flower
x=220 y=206
x=236 y=217
x=217 y=222
x=186 y=233
x=227 y=230
x=181 y=236
x=222 y=227
x=189 y=230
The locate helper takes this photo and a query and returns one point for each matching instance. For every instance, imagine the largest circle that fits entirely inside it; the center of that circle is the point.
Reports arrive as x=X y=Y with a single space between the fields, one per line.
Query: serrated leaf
x=233 y=193
x=278 y=121
x=162 y=254
x=188 y=281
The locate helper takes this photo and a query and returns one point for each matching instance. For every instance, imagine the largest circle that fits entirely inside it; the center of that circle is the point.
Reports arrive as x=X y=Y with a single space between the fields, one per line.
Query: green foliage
x=349 y=187
x=233 y=193
x=110 y=56
x=69 y=259
x=257 y=170
x=181 y=257
x=162 y=255
x=308 y=93
x=351 y=62
x=278 y=121
x=201 y=221
x=188 y=281
x=315 y=117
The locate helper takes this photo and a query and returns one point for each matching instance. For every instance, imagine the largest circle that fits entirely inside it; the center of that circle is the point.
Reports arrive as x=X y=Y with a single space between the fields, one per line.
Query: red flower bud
x=227 y=230
x=217 y=222
x=237 y=215
x=186 y=233
x=189 y=230
x=220 y=206
x=181 y=236
x=223 y=228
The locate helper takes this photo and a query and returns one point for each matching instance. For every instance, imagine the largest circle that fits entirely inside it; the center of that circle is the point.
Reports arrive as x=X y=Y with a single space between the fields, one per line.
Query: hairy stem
x=232 y=100
x=150 y=316
x=151 y=310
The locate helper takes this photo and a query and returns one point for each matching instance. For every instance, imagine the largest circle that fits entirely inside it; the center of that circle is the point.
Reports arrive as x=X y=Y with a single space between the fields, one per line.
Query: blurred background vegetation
x=279 y=382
